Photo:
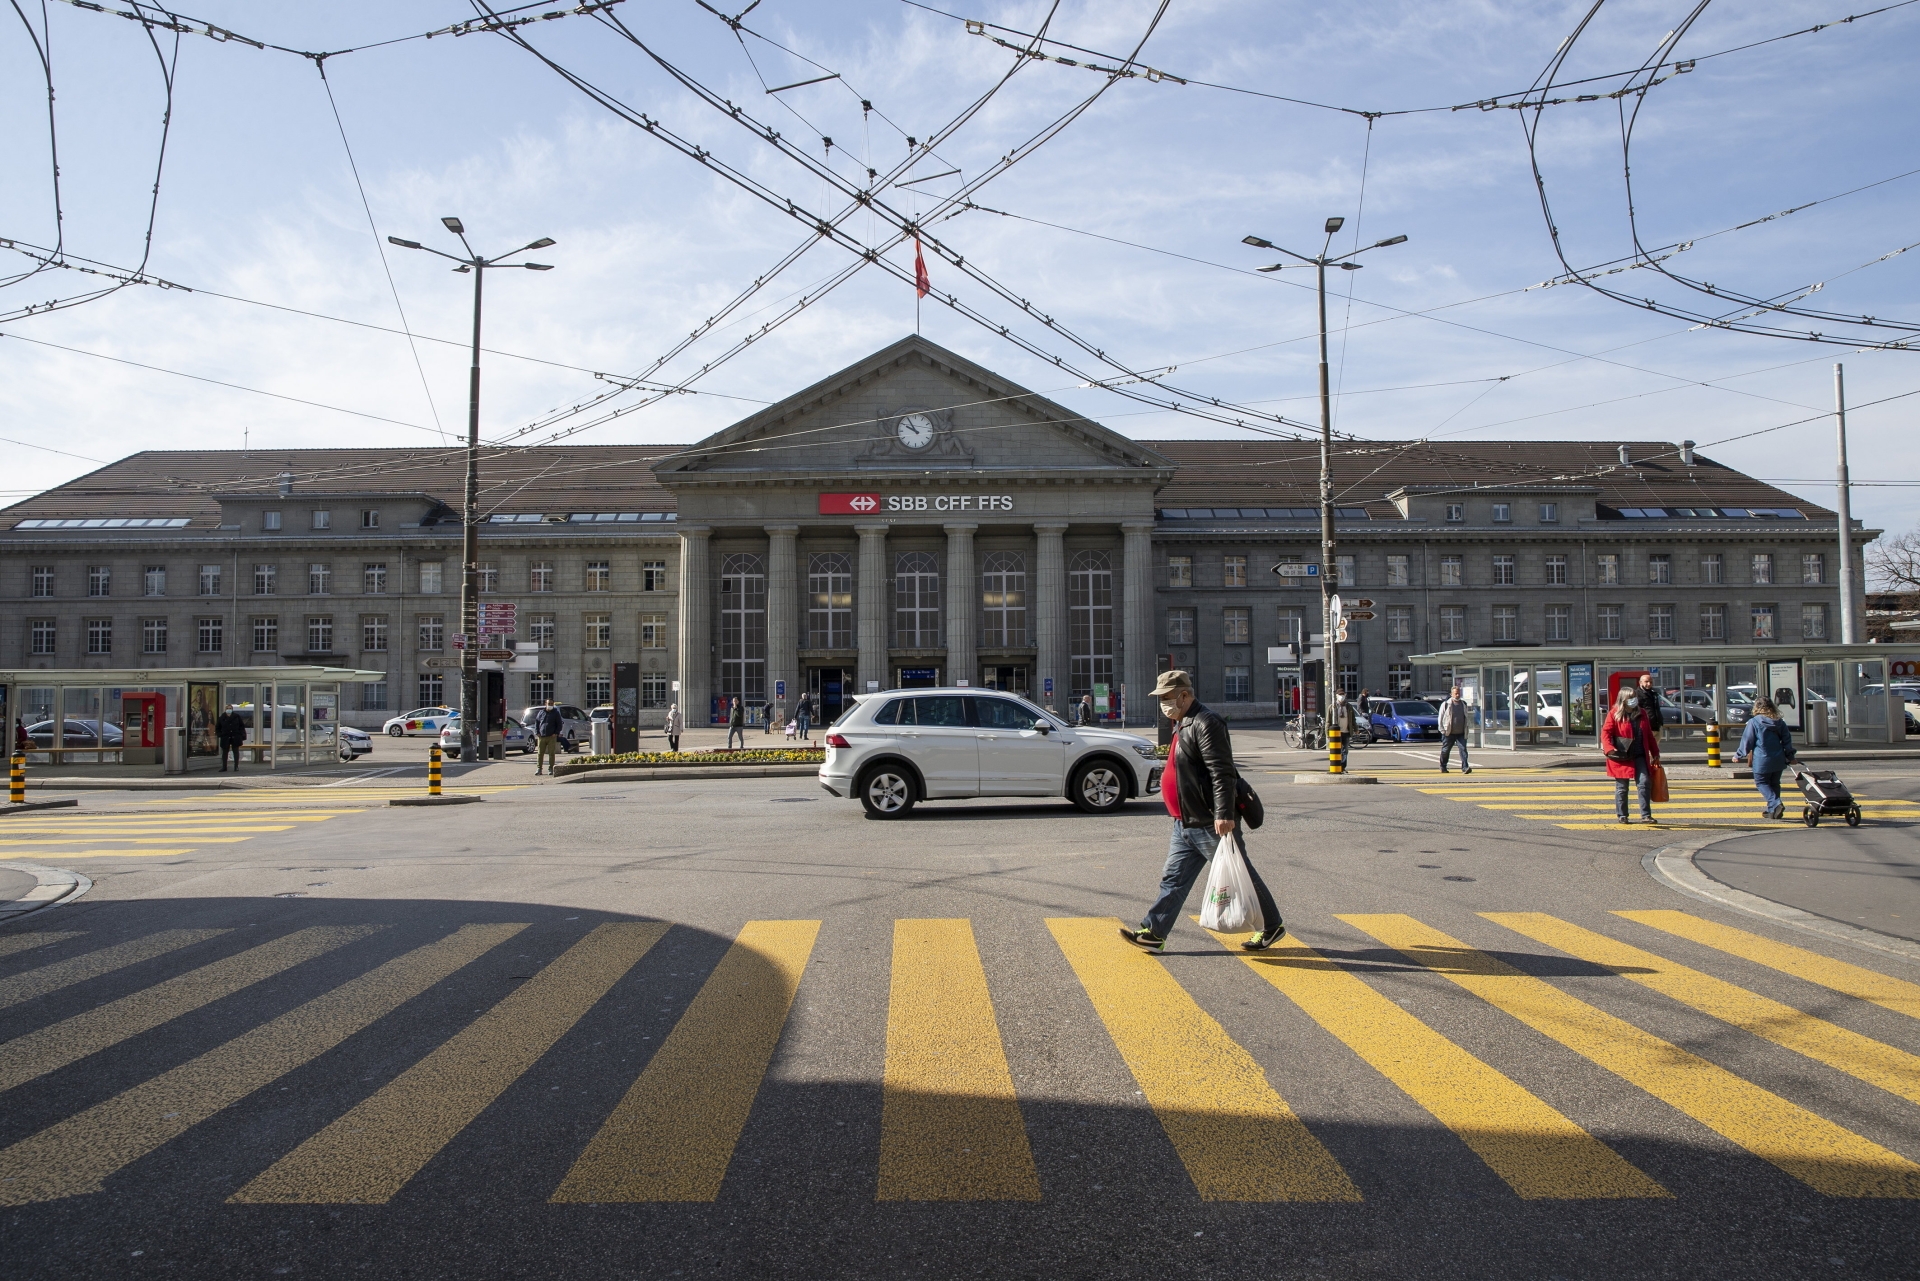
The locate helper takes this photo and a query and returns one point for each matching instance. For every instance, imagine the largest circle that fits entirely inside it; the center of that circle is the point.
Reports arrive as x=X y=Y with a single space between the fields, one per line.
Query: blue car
x=1403 y=720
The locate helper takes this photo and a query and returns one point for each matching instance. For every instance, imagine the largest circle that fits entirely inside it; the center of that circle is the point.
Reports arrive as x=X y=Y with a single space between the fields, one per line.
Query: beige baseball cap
x=1171 y=681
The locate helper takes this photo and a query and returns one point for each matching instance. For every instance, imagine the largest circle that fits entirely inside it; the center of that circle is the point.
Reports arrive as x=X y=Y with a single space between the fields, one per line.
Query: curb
x=56 y=886
x=28 y=807
x=1673 y=866
x=436 y=800
x=643 y=773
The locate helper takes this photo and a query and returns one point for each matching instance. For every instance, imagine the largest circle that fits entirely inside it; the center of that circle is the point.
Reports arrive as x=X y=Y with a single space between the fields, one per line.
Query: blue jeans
x=805 y=723
x=1187 y=854
x=1768 y=781
x=1447 y=745
x=1643 y=780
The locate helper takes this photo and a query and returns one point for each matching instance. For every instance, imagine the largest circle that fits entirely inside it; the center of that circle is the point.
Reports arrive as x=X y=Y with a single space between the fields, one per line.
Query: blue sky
x=257 y=201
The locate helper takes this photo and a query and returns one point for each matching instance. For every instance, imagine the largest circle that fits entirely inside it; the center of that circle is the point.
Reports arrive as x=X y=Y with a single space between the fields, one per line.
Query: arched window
x=829 y=600
x=916 y=601
x=1003 y=601
x=743 y=627
x=1090 y=621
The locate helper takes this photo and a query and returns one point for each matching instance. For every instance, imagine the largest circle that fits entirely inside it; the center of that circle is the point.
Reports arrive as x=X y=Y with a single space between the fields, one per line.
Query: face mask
x=1170 y=710
x=1632 y=703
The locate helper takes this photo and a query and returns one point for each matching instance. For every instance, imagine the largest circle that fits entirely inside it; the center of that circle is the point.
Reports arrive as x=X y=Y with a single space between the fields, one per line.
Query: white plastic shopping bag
x=1231 y=906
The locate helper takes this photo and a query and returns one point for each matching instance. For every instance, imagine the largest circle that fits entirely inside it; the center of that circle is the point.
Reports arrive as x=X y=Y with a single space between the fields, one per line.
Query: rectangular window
x=1456 y=513
x=270 y=521
x=1559 y=622
x=43 y=635
x=1763 y=616
x=153 y=636
x=540 y=629
x=1003 y=601
x=1606 y=569
x=1608 y=619
x=323 y=520
x=1503 y=570
x=99 y=580
x=1234 y=626
x=373 y=578
x=433 y=690
x=1556 y=571
x=1400 y=623
x=1813 y=622
x=320 y=634
x=1713 y=622
x=653 y=577
x=1813 y=568
x=653 y=690
x=433 y=631
x=486 y=576
x=1711 y=568
x=540 y=576
x=1350 y=679
x=598 y=630
x=1453 y=624
x=1399 y=680
x=1549 y=513
x=599 y=690
x=1180 y=626
x=319 y=579
x=432 y=577
x=1293 y=624
x=1343 y=570
x=653 y=631
x=1763 y=567
x=153 y=580
x=1506 y=623
x=99 y=636
x=1235 y=686
x=266 y=635
x=266 y=580
x=1233 y=571
x=42 y=581
x=599 y=576
x=916 y=600
x=1660 y=568
x=373 y=697
x=1397 y=572
x=1502 y=513
x=369 y=520
x=1090 y=622
x=1450 y=571
x=1659 y=622
x=1179 y=571
x=540 y=688
x=211 y=633
x=373 y=633
x=209 y=580
x=830 y=600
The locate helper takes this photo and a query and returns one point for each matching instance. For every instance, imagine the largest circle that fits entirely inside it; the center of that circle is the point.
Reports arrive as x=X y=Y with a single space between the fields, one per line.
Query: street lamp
x=1320 y=262
x=470 y=539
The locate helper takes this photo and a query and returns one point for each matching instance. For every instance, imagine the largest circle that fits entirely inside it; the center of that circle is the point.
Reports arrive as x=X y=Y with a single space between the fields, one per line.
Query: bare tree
x=1893 y=564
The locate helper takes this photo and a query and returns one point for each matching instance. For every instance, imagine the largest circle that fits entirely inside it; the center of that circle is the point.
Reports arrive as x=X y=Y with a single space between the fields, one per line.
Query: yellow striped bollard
x=1336 y=750
x=433 y=770
x=17 y=779
x=1713 y=745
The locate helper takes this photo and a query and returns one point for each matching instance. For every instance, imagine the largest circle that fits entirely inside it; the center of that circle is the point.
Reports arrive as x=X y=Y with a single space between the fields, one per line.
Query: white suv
x=895 y=749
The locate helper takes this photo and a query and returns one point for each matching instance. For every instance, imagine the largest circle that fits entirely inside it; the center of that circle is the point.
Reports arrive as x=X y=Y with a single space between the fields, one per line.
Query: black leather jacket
x=1205 y=768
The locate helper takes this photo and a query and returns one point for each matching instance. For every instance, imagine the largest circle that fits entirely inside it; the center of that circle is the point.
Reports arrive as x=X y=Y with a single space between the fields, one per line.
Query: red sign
x=849 y=504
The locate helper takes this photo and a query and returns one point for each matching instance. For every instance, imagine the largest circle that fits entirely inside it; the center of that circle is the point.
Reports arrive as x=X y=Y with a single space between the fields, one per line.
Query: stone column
x=1048 y=610
x=783 y=613
x=1137 y=630
x=696 y=627
x=963 y=601
x=871 y=606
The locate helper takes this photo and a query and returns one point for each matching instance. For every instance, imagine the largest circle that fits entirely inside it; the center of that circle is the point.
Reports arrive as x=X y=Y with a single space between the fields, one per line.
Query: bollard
x=433 y=770
x=17 y=779
x=1336 y=750
x=1713 y=745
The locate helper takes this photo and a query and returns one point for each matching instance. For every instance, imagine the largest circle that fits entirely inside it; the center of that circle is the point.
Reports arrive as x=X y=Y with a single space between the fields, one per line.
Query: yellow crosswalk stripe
x=51 y=978
x=1234 y=1133
x=1862 y=984
x=1538 y=1152
x=58 y=1044
x=76 y=1155
x=1826 y=1157
x=13 y=943
x=368 y=1155
x=950 y=1127
x=672 y=1136
x=116 y=853
x=142 y=836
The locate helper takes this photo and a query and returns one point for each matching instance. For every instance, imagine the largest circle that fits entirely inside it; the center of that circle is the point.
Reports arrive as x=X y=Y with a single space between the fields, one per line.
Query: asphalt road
x=713 y=1029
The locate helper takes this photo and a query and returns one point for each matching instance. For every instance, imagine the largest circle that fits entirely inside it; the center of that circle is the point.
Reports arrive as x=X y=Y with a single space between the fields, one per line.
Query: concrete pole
x=1849 y=624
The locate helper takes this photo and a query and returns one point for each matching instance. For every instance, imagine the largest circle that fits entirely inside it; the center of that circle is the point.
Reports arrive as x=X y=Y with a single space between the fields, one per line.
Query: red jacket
x=1636 y=726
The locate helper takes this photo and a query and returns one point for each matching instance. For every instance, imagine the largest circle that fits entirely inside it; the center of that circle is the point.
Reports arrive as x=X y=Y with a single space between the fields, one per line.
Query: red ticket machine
x=143 y=721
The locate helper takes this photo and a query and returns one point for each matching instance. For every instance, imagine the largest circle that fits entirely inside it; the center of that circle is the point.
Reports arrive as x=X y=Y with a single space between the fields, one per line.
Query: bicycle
x=1305 y=731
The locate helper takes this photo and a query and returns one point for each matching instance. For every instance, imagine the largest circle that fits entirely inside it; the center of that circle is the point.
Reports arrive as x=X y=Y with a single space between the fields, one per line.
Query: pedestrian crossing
x=62 y=836
x=330 y=794
x=1587 y=805
x=952 y=1125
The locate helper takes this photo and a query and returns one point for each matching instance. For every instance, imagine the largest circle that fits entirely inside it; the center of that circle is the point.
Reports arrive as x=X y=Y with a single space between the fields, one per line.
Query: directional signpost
x=1296 y=569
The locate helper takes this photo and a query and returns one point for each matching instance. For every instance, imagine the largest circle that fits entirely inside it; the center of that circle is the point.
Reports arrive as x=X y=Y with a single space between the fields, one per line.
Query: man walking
x=676 y=725
x=1453 y=731
x=1650 y=703
x=231 y=729
x=1083 y=714
x=804 y=716
x=737 y=723
x=546 y=735
x=1201 y=791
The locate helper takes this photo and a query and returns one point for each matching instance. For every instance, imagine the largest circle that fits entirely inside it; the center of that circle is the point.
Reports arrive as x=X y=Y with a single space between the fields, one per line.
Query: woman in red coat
x=1631 y=748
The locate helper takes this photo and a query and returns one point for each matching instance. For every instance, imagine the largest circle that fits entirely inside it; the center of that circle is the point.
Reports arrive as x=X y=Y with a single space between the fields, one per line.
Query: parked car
x=354 y=743
x=893 y=750
x=1909 y=695
x=574 y=724
x=516 y=737
x=421 y=721
x=1547 y=705
x=1404 y=720
x=604 y=712
x=76 y=733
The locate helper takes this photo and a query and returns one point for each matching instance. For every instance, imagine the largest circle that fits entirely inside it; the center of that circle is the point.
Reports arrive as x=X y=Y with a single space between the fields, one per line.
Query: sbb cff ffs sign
x=872 y=504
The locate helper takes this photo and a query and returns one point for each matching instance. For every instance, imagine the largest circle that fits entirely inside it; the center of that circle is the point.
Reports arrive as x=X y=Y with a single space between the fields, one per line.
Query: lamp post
x=470 y=516
x=1320 y=262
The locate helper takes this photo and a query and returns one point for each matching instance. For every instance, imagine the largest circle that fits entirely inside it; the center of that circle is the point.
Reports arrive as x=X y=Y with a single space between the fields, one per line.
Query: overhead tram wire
x=43 y=50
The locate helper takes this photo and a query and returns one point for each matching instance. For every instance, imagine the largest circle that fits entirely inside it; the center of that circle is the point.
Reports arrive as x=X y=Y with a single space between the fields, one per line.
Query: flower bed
x=746 y=756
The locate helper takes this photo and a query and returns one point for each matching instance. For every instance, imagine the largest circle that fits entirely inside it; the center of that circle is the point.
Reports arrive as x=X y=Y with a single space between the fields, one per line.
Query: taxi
x=427 y=721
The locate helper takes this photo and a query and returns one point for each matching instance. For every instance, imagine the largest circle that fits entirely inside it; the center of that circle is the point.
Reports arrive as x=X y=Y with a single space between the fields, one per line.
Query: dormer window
x=270 y=521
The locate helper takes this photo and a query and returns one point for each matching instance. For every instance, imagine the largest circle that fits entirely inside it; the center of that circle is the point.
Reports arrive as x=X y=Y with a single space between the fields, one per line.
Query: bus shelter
x=102 y=716
x=1533 y=696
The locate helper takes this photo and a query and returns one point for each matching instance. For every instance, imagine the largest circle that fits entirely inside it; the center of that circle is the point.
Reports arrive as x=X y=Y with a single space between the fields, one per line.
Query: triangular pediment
x=913 y=408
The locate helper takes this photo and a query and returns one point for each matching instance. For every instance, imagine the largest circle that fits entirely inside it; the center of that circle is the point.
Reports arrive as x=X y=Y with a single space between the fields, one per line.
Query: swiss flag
x=921 y=285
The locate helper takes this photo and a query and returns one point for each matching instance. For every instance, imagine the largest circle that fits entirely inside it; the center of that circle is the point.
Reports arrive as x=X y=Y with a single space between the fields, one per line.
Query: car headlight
x=1146 y=751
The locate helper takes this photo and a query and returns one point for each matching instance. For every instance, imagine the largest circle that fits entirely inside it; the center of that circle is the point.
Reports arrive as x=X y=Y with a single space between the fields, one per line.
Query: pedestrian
x=737 y=723
x=804 y=715
x=231 y=729
x=22 y=741
x=1769 y=742
x=676 y=725
x=1650 y=702
x=547 y=724
x=1201 y=791
x=1343 y=717
x=1632 y=751
x=766 y=718
x=1453 y=731
x=1083 y=712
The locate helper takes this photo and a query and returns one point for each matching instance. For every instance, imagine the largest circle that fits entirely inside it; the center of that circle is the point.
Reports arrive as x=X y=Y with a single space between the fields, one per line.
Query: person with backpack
x=547 y=724
x=1202 y=792
x=1632 y=750
x=1769 y=743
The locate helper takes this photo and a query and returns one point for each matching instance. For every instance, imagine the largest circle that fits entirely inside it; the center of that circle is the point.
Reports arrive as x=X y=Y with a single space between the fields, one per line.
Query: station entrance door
x=1009 y=679
x=832 y=690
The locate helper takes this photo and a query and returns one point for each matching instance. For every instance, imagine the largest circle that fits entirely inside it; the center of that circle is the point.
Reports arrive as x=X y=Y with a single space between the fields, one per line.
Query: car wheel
x=887 y=792
x=394 y=731
x=1097 y=788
